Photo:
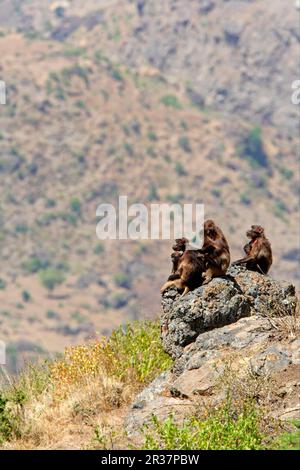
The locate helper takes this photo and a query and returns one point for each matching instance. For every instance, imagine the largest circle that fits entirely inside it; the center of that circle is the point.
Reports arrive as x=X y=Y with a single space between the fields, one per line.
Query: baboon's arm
x=244 y=260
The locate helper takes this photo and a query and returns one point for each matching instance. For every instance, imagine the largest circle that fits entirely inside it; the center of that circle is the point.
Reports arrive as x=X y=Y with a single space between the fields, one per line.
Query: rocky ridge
x=245 y=320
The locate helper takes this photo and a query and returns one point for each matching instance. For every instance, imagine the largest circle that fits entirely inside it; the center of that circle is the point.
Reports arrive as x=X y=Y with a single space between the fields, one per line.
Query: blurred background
x=162 y=101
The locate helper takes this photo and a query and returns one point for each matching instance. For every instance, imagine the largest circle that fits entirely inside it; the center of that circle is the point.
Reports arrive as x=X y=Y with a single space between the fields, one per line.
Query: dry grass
x=69 y=403
x=289 y=325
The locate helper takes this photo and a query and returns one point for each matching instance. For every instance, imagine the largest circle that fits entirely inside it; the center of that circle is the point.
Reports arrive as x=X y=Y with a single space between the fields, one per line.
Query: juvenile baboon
x=179 y=248
x=215 y=250
x=258 y=250
x=188 y=267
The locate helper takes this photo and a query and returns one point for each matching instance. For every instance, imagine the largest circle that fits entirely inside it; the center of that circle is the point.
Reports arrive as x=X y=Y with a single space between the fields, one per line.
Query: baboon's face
x=210 y=229
x=255 y=232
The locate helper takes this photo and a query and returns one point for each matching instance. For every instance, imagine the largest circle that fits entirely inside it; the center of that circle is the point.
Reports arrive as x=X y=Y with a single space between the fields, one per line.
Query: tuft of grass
x=283 y=319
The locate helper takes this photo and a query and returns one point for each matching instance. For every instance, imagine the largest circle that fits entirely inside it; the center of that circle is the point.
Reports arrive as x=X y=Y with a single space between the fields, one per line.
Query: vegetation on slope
x=49 y=405
x=80 y=400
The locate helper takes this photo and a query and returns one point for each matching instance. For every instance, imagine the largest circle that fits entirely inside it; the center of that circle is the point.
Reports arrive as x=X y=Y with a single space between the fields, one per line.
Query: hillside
x=107 y=98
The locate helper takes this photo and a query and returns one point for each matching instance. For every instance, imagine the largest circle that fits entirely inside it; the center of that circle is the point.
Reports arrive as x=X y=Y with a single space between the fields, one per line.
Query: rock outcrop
x=223 y=301
x=245 y=319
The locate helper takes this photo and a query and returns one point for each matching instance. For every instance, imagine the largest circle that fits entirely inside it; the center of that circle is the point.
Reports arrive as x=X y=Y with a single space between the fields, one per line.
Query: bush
x=122 y=280
x=171 y=101
x=184 y=143
x=30 y=384
x=26 y=296
x=289 y=440
x=35 y=264
x=2 y=284
x=118 y=300
x=252 y=148
x=50 y=278
x=224 y=429
x=99 y=248
x=6 y=420
x=132 y=354
x=153 y=194
x=21 y=228
x=75 y=205
x=180 y=170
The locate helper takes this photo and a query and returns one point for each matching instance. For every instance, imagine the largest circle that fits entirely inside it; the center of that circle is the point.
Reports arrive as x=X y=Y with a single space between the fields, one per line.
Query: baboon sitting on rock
x=191 y=267
x=188 y=267
x=258 y=251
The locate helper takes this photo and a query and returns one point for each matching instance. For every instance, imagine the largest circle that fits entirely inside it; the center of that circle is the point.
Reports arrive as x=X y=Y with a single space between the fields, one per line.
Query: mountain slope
x=80 y=128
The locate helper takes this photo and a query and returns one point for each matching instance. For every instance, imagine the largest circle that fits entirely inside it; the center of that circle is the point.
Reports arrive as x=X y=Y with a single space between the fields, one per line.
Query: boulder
x=239 y=294
x=246 y=320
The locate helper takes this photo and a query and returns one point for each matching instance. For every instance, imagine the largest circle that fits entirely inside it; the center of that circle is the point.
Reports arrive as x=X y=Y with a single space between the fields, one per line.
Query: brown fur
x=179 y=248
x=258 y=251
x=188 y=267
x=216 y=251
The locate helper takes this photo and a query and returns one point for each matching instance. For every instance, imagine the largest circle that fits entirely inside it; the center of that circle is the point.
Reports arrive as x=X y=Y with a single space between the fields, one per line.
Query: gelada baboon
x=188 y=267
x=258 y=251
x=178 y=250
x=215 y=250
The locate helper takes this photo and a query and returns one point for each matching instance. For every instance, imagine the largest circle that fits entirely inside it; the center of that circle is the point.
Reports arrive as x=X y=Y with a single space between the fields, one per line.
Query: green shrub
x=286 y=172
x=99 y=248
x=75 y=205
x=51 y=314
x=252 y=148
x=118 y=300
x=184 y=144
x=138 y=347
x=116 y=74
x=152 y=194
x=289 y=440
x=122 y=280
x=2 y=284
x=21 y=228
x=152 y=136
x=74 y=51
x=171 y=101
x=7 y=420
x=50 y=278
x=216 y=192
x=35 y=264
x=129 y=149
x=180 y=170
x=26 y=296
x=31 y=383
x=69 y=218
x=245 y=199
x=224 y=429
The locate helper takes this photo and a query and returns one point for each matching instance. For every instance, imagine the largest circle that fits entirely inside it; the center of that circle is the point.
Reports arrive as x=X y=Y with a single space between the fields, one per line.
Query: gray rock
x=253 y=344
x=230 y=320
x=239 y=294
